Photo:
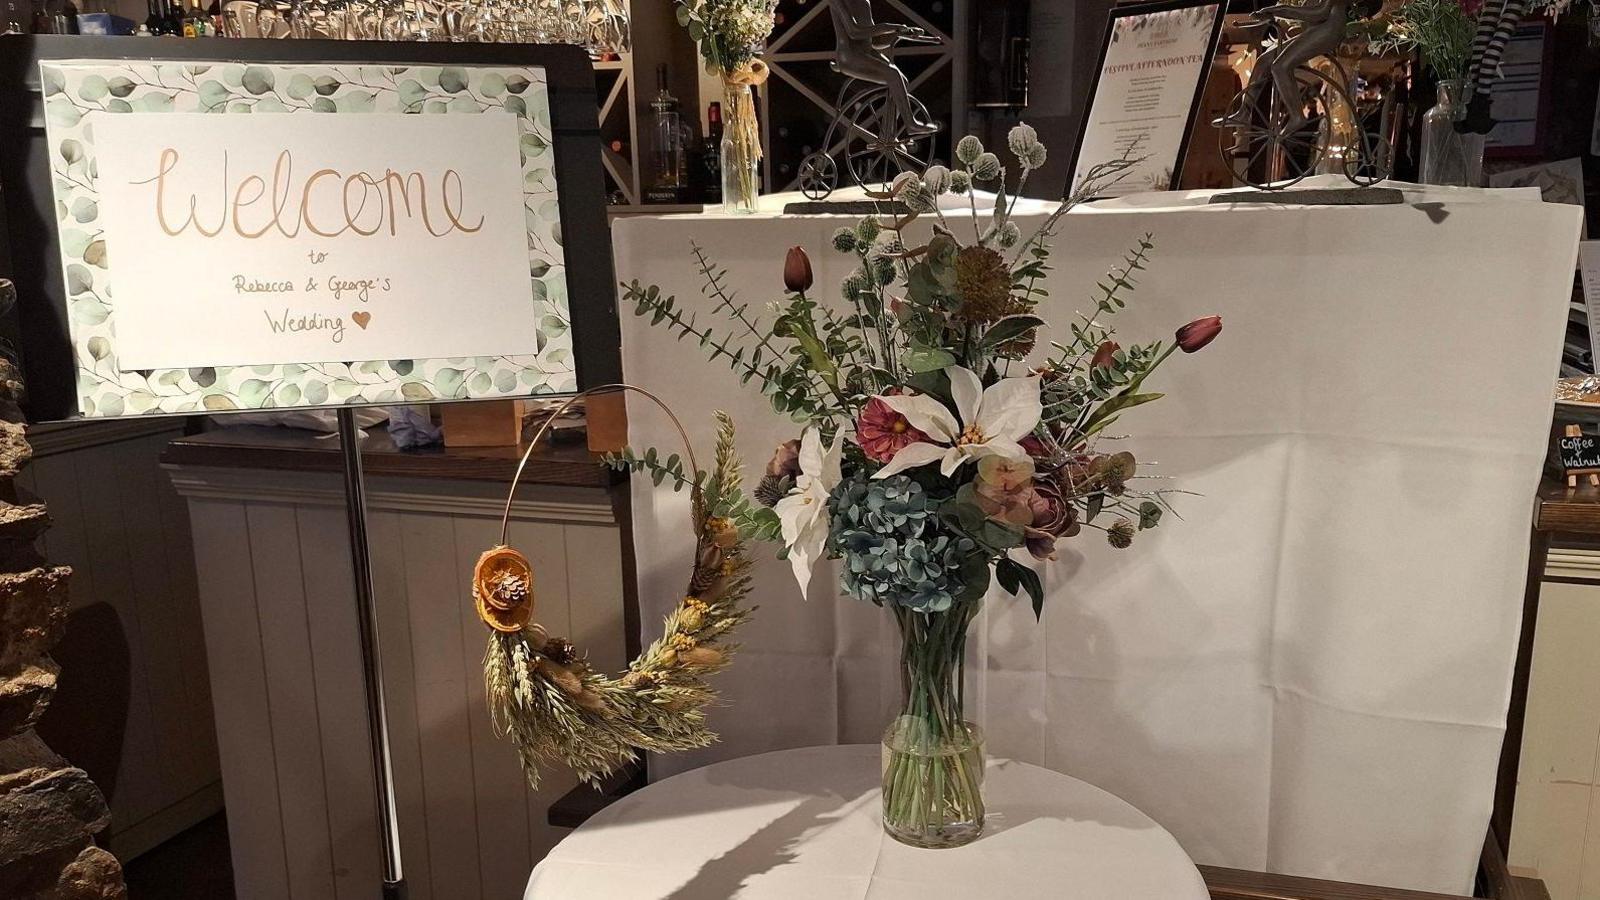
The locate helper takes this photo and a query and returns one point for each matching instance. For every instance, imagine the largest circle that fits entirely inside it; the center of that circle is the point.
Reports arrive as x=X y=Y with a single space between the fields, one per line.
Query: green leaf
x=453 y=79
x=1149 y=515
x=218 y=402
x=417 y=391
x=1109 y=409
x=301 y=86
x=1014 y=576
x=99 y=348
x=928 y=359
x=60 y=112
x=1010 y=328
x=257 y=80
x=79 y=279
x=213 y=94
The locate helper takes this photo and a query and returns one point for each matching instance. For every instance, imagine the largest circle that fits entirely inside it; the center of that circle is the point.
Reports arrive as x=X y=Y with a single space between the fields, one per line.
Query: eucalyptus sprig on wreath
x=940 y=434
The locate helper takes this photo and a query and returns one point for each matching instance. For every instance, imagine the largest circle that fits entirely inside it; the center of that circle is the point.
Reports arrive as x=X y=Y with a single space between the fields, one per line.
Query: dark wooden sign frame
x=38 y=330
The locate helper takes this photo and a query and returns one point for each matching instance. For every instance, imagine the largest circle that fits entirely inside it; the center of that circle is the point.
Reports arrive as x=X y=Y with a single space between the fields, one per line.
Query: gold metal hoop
x=544 y=428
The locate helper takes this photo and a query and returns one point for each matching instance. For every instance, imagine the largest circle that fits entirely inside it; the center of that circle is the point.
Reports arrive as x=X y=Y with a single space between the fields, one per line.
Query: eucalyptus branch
x=725 y=302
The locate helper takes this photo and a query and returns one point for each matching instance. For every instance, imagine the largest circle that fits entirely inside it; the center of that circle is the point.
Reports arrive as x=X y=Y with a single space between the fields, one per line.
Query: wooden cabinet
x=280 y=624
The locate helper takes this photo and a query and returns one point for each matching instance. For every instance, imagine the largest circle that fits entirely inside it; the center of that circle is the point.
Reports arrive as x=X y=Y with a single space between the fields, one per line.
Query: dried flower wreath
x=542 y=693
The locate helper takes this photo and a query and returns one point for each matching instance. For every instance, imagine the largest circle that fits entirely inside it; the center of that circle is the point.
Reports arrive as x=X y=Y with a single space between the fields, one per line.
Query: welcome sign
x=240 y=236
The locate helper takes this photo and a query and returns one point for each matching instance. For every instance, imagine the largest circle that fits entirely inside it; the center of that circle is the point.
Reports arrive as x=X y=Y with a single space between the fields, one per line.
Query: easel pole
x=355 y=500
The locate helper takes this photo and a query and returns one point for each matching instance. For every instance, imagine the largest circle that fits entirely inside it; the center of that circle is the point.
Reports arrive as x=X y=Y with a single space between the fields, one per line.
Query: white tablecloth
x=1307 y=674
x=803 y=825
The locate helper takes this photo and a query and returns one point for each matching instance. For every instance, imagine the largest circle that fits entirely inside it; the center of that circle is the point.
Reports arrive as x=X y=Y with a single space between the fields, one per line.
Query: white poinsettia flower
x=804 y=512
x=991 y=422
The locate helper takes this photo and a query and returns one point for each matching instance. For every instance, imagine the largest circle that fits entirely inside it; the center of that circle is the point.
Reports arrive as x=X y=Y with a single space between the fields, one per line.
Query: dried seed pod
x=701 y=657
x=562 y=677
x=560 y=651
x=691 y=618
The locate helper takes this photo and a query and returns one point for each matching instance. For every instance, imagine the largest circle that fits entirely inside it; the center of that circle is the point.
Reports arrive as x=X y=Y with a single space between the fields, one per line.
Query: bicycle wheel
x=1275 y=152
x=872 y=159
x=819 y=175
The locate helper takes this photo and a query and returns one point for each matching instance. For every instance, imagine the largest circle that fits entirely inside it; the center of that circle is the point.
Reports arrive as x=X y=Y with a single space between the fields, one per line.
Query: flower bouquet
x=731 y=35
x=943 y=440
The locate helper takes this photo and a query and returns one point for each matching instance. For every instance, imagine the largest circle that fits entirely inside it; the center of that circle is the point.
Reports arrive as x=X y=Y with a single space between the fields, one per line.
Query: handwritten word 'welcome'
x=369 y=203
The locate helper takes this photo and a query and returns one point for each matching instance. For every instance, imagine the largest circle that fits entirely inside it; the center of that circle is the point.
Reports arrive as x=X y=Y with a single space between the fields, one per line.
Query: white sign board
x=229 y=240
x=300 y=240
x=1153 y=68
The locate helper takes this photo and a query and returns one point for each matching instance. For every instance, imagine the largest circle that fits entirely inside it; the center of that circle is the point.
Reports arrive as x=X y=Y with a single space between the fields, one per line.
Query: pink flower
x=1054 y=517
x=1004 y=489
x=882 y=432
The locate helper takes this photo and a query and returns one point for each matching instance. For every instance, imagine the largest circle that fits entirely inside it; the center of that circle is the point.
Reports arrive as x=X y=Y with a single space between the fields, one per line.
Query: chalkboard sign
x=1580 y=454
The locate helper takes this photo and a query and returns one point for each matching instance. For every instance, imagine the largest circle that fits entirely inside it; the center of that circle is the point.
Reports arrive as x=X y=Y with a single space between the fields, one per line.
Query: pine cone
x=772 y=489
x=561 y=651
x=707 y=570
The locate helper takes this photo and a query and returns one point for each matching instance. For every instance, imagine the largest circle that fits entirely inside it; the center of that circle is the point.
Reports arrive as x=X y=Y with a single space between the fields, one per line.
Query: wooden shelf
x=262 y=447
x=1560 y=509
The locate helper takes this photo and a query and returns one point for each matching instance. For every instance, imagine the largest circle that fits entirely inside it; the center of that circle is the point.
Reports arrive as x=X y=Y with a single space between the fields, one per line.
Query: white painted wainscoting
x=1555 y=830
x=280 y=624
x=133 y=705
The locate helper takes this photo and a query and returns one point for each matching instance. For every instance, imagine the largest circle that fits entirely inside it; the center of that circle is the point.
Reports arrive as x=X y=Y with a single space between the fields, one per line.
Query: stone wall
x=49 y=810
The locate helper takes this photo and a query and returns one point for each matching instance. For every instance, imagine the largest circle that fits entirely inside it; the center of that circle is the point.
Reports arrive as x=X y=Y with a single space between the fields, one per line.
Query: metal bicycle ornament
x=1296 y=117
x=879 y=128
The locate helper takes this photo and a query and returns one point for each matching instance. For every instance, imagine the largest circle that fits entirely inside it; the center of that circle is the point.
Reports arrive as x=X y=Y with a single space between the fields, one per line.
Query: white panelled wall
x=1556 y=824
x=133 y=705
x=280 y=623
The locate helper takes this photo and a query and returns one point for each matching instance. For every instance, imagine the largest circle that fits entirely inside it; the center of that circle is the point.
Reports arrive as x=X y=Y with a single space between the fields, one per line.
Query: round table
x=804 y=824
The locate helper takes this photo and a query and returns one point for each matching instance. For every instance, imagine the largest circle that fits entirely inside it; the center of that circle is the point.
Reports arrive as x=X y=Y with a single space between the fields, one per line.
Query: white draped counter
x=1307 y=674
x=804 y=825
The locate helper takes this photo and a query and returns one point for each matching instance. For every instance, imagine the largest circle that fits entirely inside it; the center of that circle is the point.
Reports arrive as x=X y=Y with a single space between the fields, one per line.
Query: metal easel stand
x=355 y=500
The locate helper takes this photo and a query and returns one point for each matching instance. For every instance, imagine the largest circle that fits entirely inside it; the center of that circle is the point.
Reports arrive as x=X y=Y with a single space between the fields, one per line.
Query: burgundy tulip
x=1103 y=355
x=797 y=270
x=1199 y=333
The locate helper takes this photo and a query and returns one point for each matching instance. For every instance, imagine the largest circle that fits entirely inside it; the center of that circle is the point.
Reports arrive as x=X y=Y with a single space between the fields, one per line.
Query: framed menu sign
x=1147 y=88
x=238 y=234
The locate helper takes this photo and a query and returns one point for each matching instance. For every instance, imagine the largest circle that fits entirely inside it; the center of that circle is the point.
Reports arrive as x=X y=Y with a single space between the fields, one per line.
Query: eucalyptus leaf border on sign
x=76 y=92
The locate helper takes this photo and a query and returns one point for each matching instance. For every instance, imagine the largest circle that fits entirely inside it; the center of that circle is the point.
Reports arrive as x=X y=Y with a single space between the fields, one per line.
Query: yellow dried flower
x=984 y=283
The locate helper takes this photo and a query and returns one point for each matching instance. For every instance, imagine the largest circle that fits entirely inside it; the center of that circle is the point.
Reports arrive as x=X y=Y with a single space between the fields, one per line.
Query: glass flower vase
x=1449 y=156
x=932 y=756
x=741 y=149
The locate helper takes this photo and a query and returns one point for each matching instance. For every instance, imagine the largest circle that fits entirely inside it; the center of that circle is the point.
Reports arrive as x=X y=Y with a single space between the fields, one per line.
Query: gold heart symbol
x=362 y=318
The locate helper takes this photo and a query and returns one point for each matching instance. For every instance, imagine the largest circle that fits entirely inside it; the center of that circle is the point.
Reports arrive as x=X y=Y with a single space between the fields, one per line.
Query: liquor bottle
x=175 y=17
x=14 y=19
x=156 y=22
x=667 y=145
x=214 y=18
x=195 y=22
x=40 y=23
x=711 y=155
